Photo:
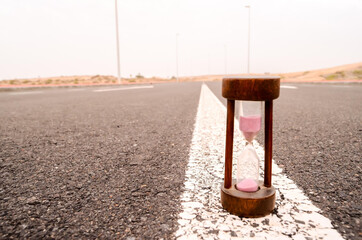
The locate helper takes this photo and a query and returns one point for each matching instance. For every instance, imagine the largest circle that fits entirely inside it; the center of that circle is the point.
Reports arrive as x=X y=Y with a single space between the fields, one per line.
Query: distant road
x=98 y=162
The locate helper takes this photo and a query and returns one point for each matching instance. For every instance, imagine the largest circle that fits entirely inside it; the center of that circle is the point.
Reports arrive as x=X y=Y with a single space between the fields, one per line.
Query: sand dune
x=344 y=72
x=349 y=72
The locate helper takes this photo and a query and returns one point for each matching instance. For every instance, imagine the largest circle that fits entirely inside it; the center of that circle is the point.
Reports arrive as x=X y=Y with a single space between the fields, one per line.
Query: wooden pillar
x=229 y=143
x=268 y=143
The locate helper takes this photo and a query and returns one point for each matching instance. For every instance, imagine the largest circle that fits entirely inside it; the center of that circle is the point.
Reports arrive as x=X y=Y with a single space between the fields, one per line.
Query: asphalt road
x=318 y=142
x=84 y=164
x=75 y=163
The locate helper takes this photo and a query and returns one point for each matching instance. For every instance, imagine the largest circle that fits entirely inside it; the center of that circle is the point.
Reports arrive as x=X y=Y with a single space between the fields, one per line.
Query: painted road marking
x=76 y=89
x=202 y=216
x=120 y=89
x=288 y=87
x=341 y=86
x=25 y=93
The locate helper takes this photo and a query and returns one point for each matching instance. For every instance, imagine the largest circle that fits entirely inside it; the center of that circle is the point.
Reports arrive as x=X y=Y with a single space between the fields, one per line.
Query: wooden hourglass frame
x=249 y=88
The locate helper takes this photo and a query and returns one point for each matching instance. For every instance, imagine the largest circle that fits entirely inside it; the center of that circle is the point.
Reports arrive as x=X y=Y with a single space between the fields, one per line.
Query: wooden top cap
x=252 y=88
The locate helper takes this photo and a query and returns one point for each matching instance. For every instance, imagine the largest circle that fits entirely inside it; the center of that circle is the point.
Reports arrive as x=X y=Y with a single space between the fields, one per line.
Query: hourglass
x=247 y=196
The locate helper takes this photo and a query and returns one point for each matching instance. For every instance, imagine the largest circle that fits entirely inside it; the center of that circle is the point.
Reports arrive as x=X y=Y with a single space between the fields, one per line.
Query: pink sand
x=247 y=185
x=250 y=126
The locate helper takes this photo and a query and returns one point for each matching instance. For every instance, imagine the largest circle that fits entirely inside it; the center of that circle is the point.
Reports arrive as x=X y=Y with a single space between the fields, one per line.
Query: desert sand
x=349 y=72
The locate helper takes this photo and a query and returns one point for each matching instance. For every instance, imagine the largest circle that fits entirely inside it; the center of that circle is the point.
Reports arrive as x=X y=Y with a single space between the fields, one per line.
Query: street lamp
x=117 y=39
x=225 y=59
x=248 y=7
x=177 y=57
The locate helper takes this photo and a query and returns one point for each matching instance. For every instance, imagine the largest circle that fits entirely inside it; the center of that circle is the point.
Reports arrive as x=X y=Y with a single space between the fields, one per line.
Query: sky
x=44 y=38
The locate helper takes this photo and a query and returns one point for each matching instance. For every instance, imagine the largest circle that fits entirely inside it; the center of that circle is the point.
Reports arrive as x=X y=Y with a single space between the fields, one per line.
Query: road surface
x=110 y=162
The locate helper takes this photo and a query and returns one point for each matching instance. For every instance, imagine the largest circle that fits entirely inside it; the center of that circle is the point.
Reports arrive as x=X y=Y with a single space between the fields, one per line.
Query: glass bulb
x=248 y=170
x=250 y=119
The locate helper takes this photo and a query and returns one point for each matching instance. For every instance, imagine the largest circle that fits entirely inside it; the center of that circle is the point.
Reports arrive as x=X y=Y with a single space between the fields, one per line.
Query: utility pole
x=117 y=39
x=177 y=57
x=225 y=59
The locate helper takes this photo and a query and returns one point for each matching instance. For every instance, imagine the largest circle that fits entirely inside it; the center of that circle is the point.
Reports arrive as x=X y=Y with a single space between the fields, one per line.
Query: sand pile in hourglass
x=248 y=161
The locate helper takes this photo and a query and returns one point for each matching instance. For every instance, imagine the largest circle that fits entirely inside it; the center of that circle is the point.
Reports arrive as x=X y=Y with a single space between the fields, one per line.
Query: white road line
x=341 y=86
x=120 y=89
x=288 y=87
x=76 y=89
x=25 y=93
x=202 y=216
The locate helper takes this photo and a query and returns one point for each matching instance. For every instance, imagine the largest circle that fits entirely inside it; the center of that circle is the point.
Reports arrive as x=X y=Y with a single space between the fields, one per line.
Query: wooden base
x=243 y=204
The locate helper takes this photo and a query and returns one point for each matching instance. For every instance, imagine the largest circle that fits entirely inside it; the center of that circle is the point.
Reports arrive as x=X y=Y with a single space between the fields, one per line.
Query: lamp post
x=117 y=39
x=248 y=7
x=225 y=59
x=177 y=57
